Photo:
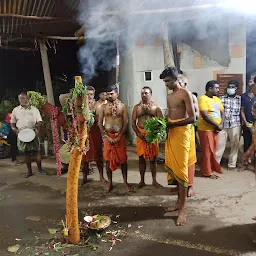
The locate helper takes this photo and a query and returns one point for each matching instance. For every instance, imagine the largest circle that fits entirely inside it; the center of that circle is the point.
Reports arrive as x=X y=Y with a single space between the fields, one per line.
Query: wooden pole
x=67 y=38
x=168 y=61
x=47 y=74
x=117 y=60
x=33 y=17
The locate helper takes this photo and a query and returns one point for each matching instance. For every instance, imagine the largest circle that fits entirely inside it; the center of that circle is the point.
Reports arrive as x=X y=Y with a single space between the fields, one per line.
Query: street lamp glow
x=242 y=6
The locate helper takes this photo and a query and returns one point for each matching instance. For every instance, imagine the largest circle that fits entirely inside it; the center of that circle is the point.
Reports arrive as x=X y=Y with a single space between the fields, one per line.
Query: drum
x=26 y=135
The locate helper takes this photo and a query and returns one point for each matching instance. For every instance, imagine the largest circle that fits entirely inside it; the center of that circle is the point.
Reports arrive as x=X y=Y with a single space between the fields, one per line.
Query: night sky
x=20 y=70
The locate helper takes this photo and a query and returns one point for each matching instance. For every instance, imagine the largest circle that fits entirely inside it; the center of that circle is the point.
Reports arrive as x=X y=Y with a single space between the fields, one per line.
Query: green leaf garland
x=155 y=128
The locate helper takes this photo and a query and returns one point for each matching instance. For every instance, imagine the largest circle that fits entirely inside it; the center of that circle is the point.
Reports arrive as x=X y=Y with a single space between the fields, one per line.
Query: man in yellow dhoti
x=183 y=81
x=178 y=158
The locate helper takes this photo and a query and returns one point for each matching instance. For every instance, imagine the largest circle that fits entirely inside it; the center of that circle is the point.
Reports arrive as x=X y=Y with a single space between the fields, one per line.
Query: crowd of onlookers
x=224 y=118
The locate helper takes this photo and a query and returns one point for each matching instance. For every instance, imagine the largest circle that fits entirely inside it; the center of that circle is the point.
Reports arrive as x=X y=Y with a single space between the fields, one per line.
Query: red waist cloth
x=116 y=153
x=95 y=145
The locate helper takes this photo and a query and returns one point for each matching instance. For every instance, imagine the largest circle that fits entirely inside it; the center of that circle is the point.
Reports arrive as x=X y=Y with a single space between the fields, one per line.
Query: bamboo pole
x=47 y=74
x=70 y=38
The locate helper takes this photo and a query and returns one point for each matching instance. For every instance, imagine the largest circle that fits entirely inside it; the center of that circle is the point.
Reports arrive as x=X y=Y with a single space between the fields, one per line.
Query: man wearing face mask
x=231 y=125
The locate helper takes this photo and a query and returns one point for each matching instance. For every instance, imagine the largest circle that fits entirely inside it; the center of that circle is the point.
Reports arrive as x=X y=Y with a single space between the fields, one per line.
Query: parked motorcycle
x=5 y=147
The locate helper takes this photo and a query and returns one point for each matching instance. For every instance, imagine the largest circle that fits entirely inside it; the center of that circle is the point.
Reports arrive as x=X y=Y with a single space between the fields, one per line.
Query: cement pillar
x=47 y=73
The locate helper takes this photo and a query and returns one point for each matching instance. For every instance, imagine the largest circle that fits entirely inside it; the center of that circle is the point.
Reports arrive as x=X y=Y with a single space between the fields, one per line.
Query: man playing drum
x=29 y=118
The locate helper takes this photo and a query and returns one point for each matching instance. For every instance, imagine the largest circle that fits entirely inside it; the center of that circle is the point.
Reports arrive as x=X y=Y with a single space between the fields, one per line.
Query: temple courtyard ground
x=219 y=218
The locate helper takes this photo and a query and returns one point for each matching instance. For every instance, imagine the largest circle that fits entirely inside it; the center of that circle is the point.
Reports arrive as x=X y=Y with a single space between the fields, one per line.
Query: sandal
x=43 y=172
x=90 y=171
x=28 y=174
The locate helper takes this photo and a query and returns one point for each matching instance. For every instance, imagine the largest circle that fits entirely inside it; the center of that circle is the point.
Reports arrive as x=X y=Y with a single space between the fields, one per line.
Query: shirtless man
x=115 y=115
x=141 y=112
x=183 y=81
x=95 y=142
x=177 y=156
x=102 y=100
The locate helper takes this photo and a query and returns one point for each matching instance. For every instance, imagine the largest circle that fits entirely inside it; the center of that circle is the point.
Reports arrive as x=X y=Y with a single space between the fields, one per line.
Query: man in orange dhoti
x=115 y=153
x=115 y=117
x=181 y=116
x=94 y=141
x=209 y=126
x=142 y=111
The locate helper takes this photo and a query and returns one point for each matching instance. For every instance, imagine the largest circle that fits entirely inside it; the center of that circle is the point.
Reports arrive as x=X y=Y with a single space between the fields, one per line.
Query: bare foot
x=213 y=177
x=103 y=181
x=16 y=163
x=172 y=208
x=191 y=192
x=84 y=182
x=254 y=217
x=141 y=185
x=110 y=187
x=233 y=169
x=244 y=168
x=181 y=220
x=174 y=189
x=128 y=187
x=156 y=184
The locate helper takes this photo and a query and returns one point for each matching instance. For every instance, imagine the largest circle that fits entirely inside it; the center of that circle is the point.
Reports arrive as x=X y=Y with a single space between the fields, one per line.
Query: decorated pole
x=74 y=167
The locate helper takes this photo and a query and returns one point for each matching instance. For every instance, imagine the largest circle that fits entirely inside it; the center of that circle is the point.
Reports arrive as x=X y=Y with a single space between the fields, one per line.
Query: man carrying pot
x=29 y=118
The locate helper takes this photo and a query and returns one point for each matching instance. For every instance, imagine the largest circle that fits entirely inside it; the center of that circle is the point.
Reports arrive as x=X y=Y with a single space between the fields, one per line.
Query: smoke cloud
x=102 y=31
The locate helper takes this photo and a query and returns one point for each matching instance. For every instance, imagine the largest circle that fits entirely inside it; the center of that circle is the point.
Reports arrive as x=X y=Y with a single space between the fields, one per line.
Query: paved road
x=219 y=221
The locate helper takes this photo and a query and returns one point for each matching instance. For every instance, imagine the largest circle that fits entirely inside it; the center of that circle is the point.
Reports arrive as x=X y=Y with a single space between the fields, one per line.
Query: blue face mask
x=231 y=91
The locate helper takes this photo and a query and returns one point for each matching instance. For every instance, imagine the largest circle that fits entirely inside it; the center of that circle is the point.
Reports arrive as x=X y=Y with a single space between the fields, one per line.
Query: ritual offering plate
x=26 y=135
x=97 y=222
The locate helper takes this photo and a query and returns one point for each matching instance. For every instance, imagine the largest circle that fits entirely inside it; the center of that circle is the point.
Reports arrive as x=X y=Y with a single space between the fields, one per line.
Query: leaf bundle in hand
x=155 y=128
